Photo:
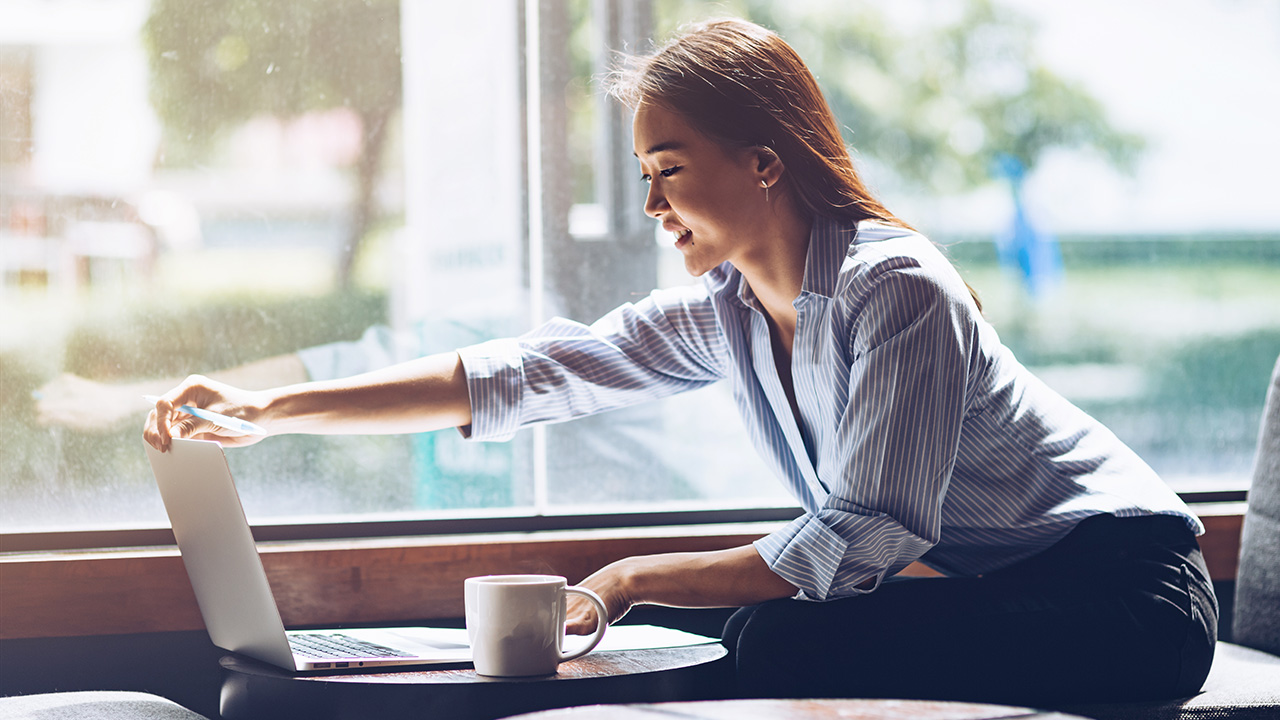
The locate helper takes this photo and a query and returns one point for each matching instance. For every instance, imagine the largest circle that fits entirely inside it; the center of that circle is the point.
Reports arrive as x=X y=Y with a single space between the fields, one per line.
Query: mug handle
x=600 y=626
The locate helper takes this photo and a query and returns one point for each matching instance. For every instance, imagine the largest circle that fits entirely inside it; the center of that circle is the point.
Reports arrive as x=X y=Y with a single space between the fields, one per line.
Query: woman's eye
x=668 y=172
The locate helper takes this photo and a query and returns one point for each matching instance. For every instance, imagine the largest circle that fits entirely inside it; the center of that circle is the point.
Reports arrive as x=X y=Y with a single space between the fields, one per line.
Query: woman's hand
x=610 y=583
x=167 y=422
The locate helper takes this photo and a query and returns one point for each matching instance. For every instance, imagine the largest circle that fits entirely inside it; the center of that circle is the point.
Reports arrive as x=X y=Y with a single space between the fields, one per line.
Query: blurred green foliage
x=1221 y=372
x=217 y=63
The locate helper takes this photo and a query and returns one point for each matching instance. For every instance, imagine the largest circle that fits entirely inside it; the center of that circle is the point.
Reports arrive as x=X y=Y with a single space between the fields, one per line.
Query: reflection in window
x=268 y=190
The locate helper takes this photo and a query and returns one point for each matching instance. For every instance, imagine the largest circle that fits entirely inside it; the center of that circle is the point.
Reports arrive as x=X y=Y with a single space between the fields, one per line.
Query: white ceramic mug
x=516 y=623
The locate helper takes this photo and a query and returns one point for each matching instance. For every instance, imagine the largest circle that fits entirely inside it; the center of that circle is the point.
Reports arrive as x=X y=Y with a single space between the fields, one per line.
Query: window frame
x=491 y=523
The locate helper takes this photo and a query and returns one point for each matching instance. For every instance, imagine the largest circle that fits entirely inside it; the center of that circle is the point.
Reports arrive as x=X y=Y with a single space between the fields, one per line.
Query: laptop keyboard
x=339 y=646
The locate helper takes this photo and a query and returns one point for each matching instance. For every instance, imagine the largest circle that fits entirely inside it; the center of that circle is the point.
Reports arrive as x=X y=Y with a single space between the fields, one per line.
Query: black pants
x=1120 y=609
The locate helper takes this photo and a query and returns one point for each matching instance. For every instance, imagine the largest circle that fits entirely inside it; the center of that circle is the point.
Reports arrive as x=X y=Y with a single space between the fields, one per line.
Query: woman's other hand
x=610 y=584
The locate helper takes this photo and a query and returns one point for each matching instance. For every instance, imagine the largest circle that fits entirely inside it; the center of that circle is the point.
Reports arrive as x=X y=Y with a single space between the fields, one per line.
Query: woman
x=870 y=383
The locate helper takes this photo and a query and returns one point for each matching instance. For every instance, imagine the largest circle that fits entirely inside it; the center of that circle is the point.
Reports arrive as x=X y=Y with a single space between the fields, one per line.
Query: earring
x=765 y=184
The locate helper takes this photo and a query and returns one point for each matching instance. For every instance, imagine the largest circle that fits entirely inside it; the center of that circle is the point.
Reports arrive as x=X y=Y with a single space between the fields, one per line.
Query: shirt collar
x=829 y=242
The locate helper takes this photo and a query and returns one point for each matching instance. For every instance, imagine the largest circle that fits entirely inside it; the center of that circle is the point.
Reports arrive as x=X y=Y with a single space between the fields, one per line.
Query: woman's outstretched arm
x=421 y=395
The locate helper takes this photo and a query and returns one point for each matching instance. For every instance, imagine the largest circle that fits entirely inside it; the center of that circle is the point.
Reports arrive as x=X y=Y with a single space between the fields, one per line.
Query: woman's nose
x=655 y=203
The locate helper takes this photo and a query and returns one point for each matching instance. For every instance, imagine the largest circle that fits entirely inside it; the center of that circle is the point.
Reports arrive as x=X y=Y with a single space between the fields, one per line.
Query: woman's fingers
x=581 y=617
x=168 y=421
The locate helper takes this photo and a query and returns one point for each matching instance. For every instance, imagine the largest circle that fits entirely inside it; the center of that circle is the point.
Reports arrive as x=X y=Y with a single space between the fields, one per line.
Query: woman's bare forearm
x=421 y=395
x=720 y=578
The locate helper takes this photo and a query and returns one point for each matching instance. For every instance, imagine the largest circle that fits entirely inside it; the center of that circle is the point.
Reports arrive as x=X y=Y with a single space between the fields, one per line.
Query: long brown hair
x=742 y=85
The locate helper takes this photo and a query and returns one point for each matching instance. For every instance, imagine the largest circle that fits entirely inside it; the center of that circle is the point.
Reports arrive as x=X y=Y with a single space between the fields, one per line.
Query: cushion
x=1256 y=619
x=93 y=705
x=1243 y=683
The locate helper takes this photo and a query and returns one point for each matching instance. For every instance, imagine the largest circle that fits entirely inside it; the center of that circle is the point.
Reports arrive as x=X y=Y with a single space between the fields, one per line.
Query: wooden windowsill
x=383 y=580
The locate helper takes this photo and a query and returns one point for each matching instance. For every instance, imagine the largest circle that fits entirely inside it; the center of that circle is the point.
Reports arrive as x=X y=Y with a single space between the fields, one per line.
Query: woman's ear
x=769 y=166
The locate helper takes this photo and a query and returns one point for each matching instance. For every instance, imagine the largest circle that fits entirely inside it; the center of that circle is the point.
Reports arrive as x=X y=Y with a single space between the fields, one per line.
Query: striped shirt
x=919 y=436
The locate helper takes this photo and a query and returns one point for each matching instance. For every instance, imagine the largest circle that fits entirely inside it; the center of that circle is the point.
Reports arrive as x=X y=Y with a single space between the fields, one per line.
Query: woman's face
x=707 y=196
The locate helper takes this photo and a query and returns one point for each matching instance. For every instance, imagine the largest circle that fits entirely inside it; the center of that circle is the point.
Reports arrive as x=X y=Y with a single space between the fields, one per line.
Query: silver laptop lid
x=218 y=550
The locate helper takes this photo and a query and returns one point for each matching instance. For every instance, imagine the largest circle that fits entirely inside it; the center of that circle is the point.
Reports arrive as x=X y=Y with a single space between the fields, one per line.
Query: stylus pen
x=222 y=421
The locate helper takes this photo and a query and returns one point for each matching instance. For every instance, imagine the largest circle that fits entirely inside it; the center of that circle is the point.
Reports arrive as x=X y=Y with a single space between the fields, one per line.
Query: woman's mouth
x=684 y=236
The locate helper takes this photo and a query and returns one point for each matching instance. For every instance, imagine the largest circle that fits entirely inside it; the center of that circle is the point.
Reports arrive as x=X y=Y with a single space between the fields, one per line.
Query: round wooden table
x=253 y=690
x=800 y=710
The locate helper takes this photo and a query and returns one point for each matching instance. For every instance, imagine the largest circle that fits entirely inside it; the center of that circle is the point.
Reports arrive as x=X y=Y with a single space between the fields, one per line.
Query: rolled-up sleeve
x=834 y=554
x=495 y=378
x=665 y=344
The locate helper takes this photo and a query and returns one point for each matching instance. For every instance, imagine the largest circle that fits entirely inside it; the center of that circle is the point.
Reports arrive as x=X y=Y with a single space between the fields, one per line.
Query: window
x=233 y=185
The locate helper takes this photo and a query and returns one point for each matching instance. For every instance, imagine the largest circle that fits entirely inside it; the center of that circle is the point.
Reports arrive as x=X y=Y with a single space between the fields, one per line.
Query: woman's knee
x=733 y=628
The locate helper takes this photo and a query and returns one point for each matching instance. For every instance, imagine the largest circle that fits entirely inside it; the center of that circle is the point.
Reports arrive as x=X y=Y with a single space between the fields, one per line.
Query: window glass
x=265 y=190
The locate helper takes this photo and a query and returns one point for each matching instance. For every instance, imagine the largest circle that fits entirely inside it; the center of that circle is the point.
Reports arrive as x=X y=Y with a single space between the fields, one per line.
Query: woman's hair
x=743 y=86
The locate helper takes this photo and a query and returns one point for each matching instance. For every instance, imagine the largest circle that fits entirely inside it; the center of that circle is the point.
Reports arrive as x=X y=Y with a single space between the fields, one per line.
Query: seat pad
x=1242 y=683
x=93 y=705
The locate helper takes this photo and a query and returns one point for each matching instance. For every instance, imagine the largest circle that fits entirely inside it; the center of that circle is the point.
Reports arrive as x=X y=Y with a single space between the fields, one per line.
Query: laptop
x=231 y=586
x=240 y=612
